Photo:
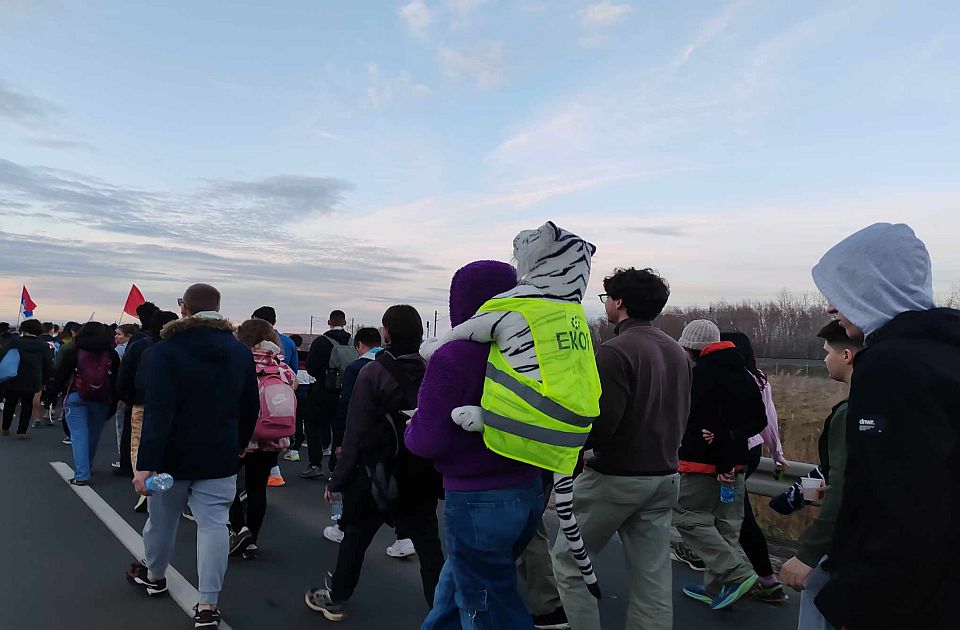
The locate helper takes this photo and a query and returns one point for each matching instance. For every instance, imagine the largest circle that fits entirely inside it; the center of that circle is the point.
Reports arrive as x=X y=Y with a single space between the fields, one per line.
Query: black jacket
x=127 y=389
x=36 y=365
x=725 y=400
x=318 y=360
x=66 y=364
x=895 y=553
x=201 y=402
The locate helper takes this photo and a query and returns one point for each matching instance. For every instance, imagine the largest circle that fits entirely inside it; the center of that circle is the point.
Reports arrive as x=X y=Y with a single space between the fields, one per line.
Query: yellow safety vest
x=543 y=423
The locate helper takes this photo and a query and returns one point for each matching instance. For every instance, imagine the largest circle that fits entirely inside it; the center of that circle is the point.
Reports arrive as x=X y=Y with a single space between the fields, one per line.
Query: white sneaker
x=401 y=549
x=333 y=533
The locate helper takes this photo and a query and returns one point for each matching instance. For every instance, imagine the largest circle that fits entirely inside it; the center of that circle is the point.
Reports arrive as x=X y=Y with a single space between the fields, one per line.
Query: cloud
x=61 y=144
x=482 y=65
x=24 y=110
x=418 y=17
x=383 y=90
x=603 y=14
x=709 y=31
x=659 y=230
x=463 y=7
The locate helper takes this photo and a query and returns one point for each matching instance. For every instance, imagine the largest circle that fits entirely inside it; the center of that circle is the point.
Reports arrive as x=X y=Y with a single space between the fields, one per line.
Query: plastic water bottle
x=159 y=483
x=728 y=492
x=336 y=507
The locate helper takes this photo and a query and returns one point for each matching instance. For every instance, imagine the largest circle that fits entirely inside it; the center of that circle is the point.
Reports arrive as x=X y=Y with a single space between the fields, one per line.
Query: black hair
x=267 y=314
x=297 y=340
x=369 y=337
x=835 y=335
x=158 y=321
x=643 y=291
x=745 y=348
x=128 y=330
x=47 y=327
x=338 y=318
x=92 y=330
x=145 y=311
x=31 y=327
x=405 y=326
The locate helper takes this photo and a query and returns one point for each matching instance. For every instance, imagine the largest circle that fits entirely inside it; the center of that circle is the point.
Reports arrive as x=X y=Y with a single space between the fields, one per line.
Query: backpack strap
x=407 y=386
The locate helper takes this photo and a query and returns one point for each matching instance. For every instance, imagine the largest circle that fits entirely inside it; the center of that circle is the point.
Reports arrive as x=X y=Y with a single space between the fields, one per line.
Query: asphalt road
x=63 y=568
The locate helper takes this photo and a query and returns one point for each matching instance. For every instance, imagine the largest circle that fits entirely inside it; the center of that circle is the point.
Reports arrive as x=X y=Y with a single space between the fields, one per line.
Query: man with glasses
x=629 y=484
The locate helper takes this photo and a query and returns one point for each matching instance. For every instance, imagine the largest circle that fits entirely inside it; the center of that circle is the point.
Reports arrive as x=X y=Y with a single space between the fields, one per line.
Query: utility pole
x=311 y=324
x=434 y=322
x=428 y=329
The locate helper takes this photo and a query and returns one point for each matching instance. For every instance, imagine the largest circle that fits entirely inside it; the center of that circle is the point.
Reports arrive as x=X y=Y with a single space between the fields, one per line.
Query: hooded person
x=894 y=555
x=483 y=543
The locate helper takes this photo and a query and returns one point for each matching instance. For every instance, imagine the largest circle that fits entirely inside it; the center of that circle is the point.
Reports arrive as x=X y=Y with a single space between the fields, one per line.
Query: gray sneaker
x=312 y=472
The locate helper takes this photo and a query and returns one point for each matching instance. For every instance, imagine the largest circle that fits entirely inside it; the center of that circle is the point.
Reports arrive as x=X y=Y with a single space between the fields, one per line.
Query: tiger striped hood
x=553 y=263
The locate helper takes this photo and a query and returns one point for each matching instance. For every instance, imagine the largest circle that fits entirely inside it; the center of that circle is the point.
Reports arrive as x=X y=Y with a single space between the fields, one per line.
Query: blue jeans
x=485 y=532
x=86 y=420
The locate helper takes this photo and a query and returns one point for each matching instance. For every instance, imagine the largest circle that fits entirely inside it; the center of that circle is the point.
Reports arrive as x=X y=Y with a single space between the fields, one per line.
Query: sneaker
x=141 y=506
x=319 y=599
x=697 y=592
x=292 y=456
x=401 y=549
x=773 y=593
x=36 y=424
x=243 y=496
x=205 y=618
x=252 y=552
x=326 y=452
x=556 y=620
x=79 y=482
x=65 y=440
x=682 y=553
x=312 y=472
x=115 y=465
x=276 y=481
x=240 y=541
x=333 y=533
x=137 y=575
x=730 y=593
x=188 y=514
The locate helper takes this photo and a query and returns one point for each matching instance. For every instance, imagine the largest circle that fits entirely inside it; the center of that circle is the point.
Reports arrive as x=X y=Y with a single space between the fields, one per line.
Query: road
x=64 y=567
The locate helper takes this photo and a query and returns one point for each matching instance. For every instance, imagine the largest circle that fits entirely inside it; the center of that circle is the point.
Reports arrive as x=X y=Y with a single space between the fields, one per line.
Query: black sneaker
x=319 y=599
x=79 y=482
x=252 y=552
x=682 y=553
x=205 y=618
x=556 y=620
x=240 y=541
x=137 y=575
x=312 y=472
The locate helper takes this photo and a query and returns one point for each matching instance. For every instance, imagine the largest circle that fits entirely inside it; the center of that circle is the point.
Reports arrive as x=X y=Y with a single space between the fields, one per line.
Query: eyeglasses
x=179 y=301
x=603 y=297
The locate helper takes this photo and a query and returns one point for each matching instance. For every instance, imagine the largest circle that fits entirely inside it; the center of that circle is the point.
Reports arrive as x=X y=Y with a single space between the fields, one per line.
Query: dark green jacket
x=818 y=538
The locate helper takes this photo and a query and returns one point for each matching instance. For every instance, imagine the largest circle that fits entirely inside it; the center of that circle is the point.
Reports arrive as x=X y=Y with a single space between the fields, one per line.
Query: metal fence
x=762 y=481
x=795 y=367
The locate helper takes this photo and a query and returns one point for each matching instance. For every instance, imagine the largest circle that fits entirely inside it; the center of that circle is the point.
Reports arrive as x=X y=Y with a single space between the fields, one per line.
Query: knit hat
x=699 y=334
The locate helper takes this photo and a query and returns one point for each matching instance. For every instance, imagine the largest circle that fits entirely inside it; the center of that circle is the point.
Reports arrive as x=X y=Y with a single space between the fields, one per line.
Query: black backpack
x=398 y=475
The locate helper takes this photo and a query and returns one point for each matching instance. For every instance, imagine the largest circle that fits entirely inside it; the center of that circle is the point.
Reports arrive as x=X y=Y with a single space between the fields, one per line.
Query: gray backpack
x=341 y=355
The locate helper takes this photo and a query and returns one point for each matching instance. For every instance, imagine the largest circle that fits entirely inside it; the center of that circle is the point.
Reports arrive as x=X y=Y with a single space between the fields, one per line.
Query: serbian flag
x=26 y=304
x=134 y=299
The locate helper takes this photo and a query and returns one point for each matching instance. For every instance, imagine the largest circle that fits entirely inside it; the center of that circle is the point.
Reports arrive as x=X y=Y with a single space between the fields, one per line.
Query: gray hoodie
x=875 y=274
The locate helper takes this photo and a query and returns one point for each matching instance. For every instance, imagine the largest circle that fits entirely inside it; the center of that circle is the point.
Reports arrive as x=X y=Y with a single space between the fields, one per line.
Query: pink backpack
x=92 y=378
x=278 y=404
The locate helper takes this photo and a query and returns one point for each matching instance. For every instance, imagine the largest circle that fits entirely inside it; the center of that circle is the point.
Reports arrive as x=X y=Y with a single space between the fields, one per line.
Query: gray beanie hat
x=699 y=334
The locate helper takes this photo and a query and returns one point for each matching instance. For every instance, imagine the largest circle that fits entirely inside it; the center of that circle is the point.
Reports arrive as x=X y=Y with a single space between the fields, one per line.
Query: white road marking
x=180 y=589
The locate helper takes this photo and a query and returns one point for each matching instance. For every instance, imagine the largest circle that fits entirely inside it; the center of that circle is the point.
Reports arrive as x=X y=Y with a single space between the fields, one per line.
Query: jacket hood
x=186 y=323
x=93 y=344
x=268 y=347
x=29 y=345
x=727 y=356
x=942 y=324
x=875 y=274
x=338 y=334
x=474 y=284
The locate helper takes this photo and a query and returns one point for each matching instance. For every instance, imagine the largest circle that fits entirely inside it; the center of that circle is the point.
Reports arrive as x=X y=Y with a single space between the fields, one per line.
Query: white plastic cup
x=811 y=488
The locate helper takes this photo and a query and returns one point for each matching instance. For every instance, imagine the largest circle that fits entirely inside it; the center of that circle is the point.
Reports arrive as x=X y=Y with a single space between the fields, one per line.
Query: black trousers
x=318 y=425
x=751 y=536
x=256 y=467
x=362 y=520
x=10 y=400
x=303 y=395
x=126 y=465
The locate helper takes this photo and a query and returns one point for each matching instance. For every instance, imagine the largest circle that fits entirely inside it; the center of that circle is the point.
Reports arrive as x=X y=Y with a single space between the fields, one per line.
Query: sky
x=318 y=155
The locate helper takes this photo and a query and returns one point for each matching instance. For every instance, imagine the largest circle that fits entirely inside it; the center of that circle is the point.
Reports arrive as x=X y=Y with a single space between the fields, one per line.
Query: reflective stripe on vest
x=544 y=423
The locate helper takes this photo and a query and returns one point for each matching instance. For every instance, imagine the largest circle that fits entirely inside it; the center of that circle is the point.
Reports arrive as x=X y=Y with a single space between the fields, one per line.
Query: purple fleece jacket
x=454 y=378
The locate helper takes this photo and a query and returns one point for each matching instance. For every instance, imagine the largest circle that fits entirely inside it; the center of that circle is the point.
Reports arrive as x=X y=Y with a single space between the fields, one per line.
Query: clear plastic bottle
x=336 y=507
x=159 y=483
x=728 y=492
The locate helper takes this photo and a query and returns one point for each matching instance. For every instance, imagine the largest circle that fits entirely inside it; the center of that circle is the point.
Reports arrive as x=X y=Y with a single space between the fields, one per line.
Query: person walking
x=894 y=555
x=726 y=409
x=201 y=405
x=752 y=540
x=380 y=480
x=492 y=504
x=86 y=374
x=35 y=369
x=275 y=379
x=630 y=484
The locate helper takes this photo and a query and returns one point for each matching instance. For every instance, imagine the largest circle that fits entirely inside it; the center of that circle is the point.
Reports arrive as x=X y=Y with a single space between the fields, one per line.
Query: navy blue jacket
x=201 y=401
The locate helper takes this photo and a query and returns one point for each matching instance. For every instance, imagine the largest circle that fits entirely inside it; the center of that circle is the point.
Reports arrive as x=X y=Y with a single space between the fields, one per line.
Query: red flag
x=134 y=300
x=26 y=304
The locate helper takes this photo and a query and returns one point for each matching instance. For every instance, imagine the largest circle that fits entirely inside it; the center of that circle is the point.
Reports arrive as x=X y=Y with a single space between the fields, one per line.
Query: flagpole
x=20 y=306
x=120 y=319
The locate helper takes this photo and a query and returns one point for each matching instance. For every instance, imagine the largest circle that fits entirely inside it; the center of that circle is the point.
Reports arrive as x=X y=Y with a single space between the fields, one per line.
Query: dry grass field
x=803 y=403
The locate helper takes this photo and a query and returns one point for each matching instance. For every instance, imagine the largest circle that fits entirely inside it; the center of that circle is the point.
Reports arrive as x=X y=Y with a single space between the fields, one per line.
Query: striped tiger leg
x=563 y=486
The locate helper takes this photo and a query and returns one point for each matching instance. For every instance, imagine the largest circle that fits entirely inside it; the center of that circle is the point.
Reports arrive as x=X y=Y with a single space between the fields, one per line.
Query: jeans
x=810 y=616
x=86 y=420
x=256 y=468
x=210 y=500
x=485 y=532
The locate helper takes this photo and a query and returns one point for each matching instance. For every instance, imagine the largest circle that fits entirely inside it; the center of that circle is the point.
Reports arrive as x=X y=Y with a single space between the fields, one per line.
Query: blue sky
x=353 y=154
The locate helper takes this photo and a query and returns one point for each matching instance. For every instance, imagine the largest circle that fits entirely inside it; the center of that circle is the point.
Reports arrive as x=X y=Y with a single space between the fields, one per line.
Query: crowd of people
x=682 y=425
